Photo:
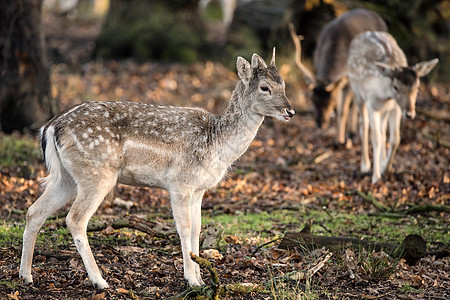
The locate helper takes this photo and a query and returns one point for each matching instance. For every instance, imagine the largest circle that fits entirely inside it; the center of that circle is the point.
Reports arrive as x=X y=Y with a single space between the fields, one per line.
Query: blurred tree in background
x=157 y=29
x=25 y=102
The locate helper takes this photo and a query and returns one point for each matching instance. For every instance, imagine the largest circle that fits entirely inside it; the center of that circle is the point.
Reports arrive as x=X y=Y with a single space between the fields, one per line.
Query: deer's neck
x=236 y=128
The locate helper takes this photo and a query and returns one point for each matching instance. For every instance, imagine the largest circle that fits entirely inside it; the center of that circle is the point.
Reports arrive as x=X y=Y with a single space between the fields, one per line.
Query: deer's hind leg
x=92 y=189
x=57 y=193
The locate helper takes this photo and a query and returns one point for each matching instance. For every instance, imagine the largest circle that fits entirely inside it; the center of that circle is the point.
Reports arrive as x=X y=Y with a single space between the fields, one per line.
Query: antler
x=309 y=77
x=272 y=62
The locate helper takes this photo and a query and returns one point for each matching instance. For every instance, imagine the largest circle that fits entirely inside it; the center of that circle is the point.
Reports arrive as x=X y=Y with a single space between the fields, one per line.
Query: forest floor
x=290 y=174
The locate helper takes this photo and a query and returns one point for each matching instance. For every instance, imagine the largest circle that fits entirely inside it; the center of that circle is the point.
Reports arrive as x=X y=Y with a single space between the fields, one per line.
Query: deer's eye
x=265 y=88
x=395 y=88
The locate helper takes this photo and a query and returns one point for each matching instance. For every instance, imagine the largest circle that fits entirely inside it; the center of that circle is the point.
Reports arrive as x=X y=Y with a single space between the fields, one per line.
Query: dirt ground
x=281 y=170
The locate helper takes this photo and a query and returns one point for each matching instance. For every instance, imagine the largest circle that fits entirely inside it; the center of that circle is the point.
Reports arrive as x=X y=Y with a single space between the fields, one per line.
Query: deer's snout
x=290 y=113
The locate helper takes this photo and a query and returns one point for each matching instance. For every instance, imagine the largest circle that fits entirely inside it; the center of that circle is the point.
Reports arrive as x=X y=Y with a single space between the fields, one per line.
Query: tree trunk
x=25 y=101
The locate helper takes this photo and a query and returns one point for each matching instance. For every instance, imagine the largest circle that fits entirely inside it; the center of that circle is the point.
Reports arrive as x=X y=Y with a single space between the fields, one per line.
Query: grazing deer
x=90 y=147
x=330 y=84
x=384 y=86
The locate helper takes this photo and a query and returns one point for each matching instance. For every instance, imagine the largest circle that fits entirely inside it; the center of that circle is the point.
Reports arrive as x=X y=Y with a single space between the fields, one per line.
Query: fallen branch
x=435 y=115
x=411 y=249
x=425 y=208
x=133 y=222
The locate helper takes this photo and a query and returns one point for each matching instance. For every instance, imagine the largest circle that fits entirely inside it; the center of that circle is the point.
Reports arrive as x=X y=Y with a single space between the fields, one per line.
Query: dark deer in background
x=330 y=83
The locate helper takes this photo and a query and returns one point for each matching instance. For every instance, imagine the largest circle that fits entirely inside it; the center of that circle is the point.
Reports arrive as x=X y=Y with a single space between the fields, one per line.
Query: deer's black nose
x=290 y=112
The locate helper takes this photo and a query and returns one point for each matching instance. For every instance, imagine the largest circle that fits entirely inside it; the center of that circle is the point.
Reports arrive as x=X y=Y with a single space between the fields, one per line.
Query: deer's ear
x=423 y=68
x=244 y=70
x=258 y=62
x=385 y=69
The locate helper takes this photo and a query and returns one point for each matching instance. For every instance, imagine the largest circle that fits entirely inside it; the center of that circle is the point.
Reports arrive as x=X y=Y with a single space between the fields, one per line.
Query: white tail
x=92 y=146
x=329 y=85
x=384 y=86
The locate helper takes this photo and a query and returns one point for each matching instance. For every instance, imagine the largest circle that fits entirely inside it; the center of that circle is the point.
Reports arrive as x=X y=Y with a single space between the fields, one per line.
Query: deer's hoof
x=194 y=282
x=27 y=280
x=101 y=284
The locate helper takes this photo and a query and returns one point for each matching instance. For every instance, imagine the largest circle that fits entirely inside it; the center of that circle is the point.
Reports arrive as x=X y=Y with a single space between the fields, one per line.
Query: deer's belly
x=141 y=176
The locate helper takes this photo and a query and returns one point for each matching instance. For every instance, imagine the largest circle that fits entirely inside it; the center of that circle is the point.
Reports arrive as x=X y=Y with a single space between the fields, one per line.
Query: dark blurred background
x=191 y=30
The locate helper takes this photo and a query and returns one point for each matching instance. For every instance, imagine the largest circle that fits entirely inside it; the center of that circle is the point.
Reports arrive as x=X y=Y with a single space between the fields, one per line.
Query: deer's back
x=121 y=134
x=370 y=47
x=331 y=53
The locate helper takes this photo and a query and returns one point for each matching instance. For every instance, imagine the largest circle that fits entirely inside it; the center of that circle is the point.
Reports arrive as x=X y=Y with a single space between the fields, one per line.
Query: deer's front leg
x=196 y=217
x=181 y=208
x=394 y=137
x=364 y=132
x=384 y=120
x=376 y=134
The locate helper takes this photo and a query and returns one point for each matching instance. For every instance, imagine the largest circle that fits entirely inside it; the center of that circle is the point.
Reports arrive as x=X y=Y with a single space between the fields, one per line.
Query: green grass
x=12 y=284
x=281 y=288
x=245 y=225
x=21 y=154
x=10 y=234
x=407 y=288
x=268 y=226
x=18 y=151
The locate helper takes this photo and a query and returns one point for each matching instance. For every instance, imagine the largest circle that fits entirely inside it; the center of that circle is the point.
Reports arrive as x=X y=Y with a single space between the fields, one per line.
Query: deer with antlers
x=329 y=84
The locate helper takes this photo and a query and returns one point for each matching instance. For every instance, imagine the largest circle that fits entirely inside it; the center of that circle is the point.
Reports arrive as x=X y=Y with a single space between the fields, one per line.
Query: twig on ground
x=321 y=157
x=371 y=199
x=263 y=245
x=319 y=265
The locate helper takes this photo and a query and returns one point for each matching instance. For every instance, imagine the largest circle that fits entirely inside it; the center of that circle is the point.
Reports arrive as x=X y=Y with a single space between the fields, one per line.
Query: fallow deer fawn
x=384 y=86
x=330 y=88
x=90 y=147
